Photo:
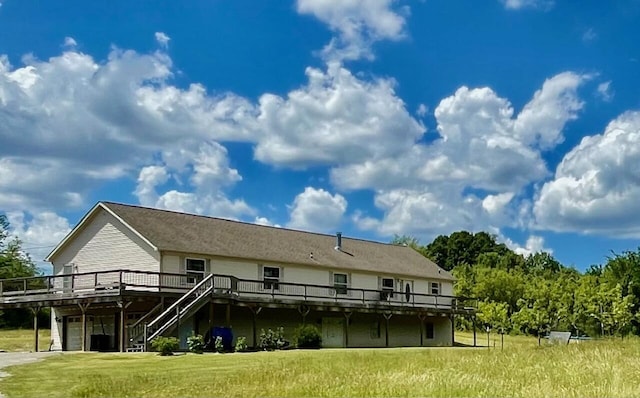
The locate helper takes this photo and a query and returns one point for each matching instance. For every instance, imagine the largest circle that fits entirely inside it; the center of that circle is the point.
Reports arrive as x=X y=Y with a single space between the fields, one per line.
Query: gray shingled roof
x=188 y=233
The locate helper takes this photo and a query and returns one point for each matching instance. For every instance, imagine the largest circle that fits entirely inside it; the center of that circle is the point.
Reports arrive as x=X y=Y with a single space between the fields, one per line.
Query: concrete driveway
x=20 y=358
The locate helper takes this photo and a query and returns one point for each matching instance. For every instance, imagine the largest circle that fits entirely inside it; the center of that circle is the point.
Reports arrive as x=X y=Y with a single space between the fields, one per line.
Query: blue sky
x=370 y=117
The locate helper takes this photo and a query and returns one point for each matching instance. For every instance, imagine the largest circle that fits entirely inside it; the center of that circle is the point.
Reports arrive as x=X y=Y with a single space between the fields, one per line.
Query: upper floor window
x=341 y=283
x=195 y=269
x=271 y=277
x=388 y=286
x=435 y=288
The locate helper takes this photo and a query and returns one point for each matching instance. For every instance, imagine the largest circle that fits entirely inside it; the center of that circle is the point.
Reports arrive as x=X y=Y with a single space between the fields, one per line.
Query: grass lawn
x=590 y=369
x=22 y=339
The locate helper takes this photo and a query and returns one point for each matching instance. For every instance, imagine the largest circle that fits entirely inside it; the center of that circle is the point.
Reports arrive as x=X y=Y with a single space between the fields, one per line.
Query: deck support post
x=422 y=317
x=210 y=325
x=228 y=315
x=36 y=330
x=122 y=343
x=83 y=309
x=387 y=316
x=473 y=320
x=304 y=311
x=347 y=319
x=453 y=329
x=255 y=310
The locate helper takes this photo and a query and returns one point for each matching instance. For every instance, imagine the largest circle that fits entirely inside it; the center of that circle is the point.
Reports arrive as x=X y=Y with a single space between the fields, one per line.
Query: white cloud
x=39 y=232
x=471 y=177
x=543 y=118
x=422 y=110
x=206 y=167
x=317 y=210
x=69 y=42
x=605 y=92
x=265 y=221
x=522 y=4
x=335 y=119
x=533 y=245
x=596 y=188
x=358 y=23
x=162 y=39
x=70 y=123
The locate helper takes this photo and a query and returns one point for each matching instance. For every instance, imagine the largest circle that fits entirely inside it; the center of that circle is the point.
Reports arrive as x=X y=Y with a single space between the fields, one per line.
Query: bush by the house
x=241 y=344
x=272 y=339
x=165 y=345
x=218 y=345
x=307 y=336
x=195 y=342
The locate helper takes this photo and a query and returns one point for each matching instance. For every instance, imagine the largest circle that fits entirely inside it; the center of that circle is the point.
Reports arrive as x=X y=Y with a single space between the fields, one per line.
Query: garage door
x=74 y=332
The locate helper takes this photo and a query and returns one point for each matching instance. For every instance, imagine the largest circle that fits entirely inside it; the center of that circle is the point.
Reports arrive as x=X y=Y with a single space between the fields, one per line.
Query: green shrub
x=307 y=336
x=241 y=344
x=272 y=339
x=218 y=345
x=165 y=345
x=195 y=342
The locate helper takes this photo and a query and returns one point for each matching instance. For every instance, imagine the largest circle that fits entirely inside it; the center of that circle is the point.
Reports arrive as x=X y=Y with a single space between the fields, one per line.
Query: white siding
x=56 y=329
x=105 y=244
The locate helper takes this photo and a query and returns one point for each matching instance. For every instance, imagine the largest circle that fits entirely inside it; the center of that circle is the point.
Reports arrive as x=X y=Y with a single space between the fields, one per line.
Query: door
x=333 y=332
x=73 y=333
x=67 y=282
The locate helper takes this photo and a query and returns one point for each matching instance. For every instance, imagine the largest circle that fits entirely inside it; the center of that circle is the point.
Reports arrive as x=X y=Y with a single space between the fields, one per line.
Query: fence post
x=145 y=335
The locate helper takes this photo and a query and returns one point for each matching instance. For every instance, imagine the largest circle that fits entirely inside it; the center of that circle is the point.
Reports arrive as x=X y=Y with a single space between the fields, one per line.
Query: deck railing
x=120 y=281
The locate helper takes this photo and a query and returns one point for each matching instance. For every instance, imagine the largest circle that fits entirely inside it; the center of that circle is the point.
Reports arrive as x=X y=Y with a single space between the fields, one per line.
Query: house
x=127 y=274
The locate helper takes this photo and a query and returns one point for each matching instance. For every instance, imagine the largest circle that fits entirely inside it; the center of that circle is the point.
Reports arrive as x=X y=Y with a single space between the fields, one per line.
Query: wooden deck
x=110 y=286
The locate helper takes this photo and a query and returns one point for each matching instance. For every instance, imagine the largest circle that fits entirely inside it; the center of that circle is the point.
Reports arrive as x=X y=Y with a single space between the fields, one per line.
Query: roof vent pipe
x=338 y=241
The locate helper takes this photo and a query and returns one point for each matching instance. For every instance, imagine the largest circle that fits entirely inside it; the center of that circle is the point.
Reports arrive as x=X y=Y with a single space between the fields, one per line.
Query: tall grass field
x=605 y=368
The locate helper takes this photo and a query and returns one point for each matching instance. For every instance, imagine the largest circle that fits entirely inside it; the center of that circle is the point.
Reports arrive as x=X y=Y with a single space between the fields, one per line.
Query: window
x=271 y=277
x=435 y=288
x=341 y=283
x=429 y=330
x=387 y=288
x=195 y=270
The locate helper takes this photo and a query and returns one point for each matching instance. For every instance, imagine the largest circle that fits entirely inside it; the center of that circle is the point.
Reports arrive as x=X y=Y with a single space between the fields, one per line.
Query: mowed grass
x=605 y=368
x=23 y=340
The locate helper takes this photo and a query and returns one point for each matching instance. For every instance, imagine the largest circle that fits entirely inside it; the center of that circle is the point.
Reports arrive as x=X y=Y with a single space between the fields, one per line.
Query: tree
x=14 y=263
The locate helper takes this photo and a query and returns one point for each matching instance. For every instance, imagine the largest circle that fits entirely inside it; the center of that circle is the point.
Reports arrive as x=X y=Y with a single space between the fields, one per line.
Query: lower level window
x=271 y=277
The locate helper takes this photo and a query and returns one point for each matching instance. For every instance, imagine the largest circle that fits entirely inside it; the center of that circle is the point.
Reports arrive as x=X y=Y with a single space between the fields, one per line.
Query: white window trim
x=266 y=280
x=390 y=290
x=438 y=289
x=191 y=272
x=345 y=286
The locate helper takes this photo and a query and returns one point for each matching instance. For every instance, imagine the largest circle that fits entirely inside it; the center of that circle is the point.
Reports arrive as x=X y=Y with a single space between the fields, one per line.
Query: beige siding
x=170 y=264
x=106 y=244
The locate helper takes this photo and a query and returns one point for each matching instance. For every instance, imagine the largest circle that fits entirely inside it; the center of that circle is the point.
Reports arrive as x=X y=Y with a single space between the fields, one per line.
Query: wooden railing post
x=24 y=282
x=1 y=288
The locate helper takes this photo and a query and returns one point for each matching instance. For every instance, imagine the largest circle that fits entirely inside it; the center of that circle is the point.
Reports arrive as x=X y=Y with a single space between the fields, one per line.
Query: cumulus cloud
x=266 y=222
x=522 y=4
x=533 y=245
x=470 y=177
x=335 y=119
x=71 y=122
x=39 y=232
x=357 y=23
x=206 y=167
x=596 y=188
x=162 y=39
x=317 y=210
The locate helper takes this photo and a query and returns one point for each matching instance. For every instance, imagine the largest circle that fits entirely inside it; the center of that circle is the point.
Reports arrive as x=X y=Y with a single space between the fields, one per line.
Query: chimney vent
x=338 y=241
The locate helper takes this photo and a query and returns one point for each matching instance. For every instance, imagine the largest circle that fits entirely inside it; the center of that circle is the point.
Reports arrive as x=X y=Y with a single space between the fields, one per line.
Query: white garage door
x=74 y=332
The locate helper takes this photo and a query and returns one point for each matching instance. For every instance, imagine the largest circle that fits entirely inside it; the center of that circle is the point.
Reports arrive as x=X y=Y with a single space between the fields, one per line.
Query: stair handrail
x=173 y=306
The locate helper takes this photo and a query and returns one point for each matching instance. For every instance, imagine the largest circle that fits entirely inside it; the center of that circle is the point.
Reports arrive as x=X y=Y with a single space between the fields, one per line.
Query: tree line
x=536 y=293
x=16 y=263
